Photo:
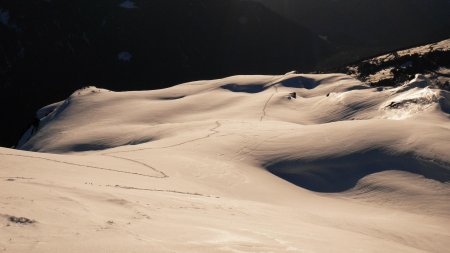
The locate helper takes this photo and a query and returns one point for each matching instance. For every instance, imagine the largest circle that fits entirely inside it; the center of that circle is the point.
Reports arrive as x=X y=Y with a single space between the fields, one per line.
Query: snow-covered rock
x=396 y=68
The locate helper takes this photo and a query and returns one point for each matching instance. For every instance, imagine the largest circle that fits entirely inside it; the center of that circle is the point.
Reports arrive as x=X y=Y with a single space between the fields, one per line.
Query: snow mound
x=136 y=117
x=414 y=97
x=313 y=163
x=88 y=90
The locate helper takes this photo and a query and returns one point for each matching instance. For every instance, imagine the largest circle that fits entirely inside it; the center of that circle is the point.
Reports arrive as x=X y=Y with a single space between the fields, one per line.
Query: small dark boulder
x=20 y=220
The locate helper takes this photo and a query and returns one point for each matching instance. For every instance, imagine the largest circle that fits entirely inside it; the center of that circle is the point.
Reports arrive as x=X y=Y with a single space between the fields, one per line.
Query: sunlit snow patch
x=381 y=75
x=88 y=90
x=128 y=5
x=414 y=97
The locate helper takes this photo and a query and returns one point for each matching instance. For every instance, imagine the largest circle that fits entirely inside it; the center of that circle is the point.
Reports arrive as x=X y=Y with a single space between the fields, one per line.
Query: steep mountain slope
x=199 y=167
x=431 y=61
x=51 y=48
x=362 y=28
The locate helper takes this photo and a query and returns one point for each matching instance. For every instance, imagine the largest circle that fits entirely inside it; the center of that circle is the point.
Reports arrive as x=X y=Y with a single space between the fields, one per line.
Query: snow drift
x=289 y=163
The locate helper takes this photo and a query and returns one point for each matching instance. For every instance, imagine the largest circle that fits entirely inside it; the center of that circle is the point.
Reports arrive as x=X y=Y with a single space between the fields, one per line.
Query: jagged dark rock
x=398 y=67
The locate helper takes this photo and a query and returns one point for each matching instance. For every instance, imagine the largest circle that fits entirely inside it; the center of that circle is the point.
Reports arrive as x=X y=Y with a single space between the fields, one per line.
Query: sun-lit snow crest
x=411 y=98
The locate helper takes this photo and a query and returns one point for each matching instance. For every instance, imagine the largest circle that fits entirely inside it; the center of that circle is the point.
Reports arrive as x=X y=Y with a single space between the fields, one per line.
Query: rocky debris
x=293 y=95
x=21 y=220
x=396 y=68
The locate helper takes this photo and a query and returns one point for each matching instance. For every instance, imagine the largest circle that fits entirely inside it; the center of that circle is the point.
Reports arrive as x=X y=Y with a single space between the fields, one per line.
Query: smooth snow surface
x=234 y=165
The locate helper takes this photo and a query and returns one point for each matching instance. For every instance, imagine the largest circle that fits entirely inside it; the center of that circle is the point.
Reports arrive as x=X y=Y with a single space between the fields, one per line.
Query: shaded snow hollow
x=289 y=163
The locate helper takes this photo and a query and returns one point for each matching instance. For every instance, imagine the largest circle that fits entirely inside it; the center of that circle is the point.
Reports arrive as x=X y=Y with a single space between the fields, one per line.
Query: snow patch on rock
x=413 y=97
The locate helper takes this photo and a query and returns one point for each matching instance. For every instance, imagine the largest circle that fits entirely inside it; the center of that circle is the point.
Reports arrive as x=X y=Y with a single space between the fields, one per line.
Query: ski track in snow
x=162 y=174
x=263 y=114
x=111 y=154
x=162 y=190
x=213 y=130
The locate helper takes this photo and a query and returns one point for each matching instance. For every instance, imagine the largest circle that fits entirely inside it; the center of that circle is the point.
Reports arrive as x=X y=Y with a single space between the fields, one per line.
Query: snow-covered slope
x=290 y=163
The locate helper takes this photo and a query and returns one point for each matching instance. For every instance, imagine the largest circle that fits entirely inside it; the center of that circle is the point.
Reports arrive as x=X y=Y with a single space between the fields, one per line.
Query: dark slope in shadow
x=172 y=98
x=292 y=82
x=338 y=174
x=83 y=147
x=300 y=82
x=444 y=101
x=254 y=88
x=94 y=145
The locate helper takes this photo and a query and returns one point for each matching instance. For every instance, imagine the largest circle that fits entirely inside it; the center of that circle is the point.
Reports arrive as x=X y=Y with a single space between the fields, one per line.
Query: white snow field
x=234 y=165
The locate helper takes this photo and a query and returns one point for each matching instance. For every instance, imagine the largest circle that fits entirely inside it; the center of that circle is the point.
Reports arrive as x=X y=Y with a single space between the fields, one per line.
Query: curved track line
x=263 y=114
x=213 y=130
x=163 y=175
x=270 y=85
x=160 y=190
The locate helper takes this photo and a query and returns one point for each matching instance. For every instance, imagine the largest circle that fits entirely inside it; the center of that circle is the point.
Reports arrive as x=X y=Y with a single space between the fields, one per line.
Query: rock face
x=51 y=48
x=431 y=61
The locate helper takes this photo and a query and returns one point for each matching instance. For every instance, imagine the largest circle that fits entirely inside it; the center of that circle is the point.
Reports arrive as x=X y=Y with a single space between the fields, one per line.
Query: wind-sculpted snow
x=337 y=174
x=289 y=163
